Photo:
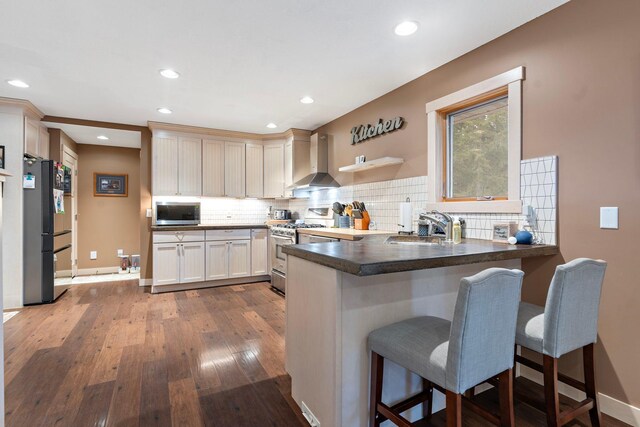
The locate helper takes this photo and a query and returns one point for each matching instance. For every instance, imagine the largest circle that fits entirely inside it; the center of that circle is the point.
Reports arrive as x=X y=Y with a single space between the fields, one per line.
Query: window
x=474 y=147
x=476 y=152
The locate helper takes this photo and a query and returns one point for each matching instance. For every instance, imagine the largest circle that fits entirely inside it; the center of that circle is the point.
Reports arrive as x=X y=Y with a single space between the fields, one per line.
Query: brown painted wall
x=146 y=260
x=106 y=224
x=582 y=102
x=57 y=138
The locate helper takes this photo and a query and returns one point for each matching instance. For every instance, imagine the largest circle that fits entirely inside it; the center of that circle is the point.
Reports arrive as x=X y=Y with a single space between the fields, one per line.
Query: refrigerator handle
x=47 y=196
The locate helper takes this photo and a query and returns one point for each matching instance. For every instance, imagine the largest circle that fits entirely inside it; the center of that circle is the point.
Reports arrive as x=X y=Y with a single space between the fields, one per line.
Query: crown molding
x=222 y=133
x=26 y=106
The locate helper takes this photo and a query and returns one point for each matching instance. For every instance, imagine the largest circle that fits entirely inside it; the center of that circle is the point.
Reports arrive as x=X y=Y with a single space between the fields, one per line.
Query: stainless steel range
x=286 y=234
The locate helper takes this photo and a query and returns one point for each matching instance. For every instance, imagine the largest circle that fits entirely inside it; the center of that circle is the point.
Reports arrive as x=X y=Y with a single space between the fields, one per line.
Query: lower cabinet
x=259 y=252
x=178 y=263
x=228 y=259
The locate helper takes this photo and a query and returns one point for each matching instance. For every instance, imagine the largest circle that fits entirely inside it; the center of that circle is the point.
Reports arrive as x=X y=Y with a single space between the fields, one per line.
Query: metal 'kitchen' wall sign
x=363 y=132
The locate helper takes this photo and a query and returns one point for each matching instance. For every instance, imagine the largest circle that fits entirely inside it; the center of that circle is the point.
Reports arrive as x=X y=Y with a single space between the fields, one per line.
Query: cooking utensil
x=362 y=207
x=357 y=213
x=348 y=210
x=338 y=208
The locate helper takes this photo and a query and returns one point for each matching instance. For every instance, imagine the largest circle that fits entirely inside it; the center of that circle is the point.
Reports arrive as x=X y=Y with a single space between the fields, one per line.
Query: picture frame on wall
x=110 y=185
x=1 y=156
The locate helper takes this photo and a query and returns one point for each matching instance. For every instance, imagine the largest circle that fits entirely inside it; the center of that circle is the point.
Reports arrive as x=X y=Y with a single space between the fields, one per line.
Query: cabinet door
x=255 y=169
x=165 y=166
x=288 y=167
x=31 y=133
x=189 y=166
x=43 y=143
x=274 y=171
x=234 y=166
x=240 y=258
x=259 y=252
x=166 y=264
x=192 y=262
x=217 y=260
x=212 y=168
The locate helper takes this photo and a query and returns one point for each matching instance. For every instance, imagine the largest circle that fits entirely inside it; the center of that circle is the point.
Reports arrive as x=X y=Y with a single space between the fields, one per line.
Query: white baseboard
x=608 y=405
x=95 y=271
x=146 y=282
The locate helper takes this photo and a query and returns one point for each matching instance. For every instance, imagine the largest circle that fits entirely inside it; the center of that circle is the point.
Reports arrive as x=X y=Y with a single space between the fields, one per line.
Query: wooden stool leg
x=505 y=385
x=590 y=384
x=427 y=406
x=550 y=371
x=377 y=369
x=454 y=409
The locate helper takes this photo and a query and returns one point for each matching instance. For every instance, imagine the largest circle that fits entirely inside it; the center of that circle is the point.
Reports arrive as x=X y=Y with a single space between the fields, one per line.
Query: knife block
x=362 y=223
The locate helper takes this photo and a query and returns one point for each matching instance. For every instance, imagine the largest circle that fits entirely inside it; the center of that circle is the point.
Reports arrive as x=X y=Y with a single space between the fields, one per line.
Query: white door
x=164 y=166
x=240 y=258
x=255 y=168
x=274 y=171
x=166 y=263
x=189 y=166
x=217 y=260
x=212 y=168
x=192 y=262
x=70 y=160
x=234 y=167
x=259 y=252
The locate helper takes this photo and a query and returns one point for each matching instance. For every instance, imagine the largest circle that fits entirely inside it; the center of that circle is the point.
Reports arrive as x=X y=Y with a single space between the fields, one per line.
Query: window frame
x=509 y=84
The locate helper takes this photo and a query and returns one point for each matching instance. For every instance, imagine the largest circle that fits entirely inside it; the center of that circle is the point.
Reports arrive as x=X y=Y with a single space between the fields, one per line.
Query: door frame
x=66 y=153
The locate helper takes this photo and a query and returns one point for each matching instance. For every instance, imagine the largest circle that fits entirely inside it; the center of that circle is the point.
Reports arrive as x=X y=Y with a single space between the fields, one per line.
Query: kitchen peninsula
x=339 y=292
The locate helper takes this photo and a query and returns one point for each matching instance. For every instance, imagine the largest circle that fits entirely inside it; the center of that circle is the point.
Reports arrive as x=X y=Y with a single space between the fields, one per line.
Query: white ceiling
x=243 y=63
x=89 y=135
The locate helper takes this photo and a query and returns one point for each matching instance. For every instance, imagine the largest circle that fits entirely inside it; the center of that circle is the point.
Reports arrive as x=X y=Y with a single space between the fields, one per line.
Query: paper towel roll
x=405 y=223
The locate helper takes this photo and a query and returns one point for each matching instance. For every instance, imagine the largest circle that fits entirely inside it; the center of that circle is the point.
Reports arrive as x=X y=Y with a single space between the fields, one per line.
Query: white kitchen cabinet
x=166 y=264
x=239 y=258
x=259 y=252
x=217 y=260
x=234 y=171
x=189 y=166
x=213 y=168
x=164 y=151
x=274 y=171
x=192 y=262
x=43 y=142
x=296 y=162
x=255 y=170
x=31 y=134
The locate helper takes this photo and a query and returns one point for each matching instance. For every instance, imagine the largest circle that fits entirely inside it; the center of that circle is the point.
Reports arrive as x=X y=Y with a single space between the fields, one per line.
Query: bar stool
x=454 y=356
x=568 y=321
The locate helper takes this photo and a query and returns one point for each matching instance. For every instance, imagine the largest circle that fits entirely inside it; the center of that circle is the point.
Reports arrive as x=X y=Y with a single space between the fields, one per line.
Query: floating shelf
x=372 y=164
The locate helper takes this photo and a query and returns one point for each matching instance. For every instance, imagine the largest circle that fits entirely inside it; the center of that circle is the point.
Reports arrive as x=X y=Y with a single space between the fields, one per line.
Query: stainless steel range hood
x=319 y=177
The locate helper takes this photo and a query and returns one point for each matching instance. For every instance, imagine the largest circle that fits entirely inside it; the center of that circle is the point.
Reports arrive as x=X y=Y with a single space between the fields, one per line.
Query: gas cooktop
x=296 y=226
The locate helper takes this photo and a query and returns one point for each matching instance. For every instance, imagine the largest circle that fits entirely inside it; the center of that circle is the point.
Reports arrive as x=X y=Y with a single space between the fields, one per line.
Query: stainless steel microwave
x=177 y=213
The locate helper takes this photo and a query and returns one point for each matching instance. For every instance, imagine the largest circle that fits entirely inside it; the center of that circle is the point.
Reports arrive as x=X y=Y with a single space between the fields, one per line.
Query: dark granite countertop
x=206 y=227
x=369 y=259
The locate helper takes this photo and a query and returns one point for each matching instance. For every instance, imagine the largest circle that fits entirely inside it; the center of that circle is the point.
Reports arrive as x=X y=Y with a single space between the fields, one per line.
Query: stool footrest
x=561 y=377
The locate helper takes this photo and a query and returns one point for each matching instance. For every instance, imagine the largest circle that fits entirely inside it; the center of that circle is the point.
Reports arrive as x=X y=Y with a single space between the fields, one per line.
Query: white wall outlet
x=120 y=252
x=149 y=213
x=93 y=255
x=609 y=218
x=308 y=415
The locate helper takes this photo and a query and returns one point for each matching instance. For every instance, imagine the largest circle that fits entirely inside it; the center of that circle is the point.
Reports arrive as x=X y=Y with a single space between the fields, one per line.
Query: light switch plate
x=609 y=218
x=93 y=255
x=149 y=213
x=120 y=252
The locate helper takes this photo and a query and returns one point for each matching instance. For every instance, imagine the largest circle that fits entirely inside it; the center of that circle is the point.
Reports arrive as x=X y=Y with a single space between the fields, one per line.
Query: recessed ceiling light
x=272 y=125
x=170 y=74
x=164 y=110
x=18 y=83
x=406 y=28
x=306 y=100
x=103 y=137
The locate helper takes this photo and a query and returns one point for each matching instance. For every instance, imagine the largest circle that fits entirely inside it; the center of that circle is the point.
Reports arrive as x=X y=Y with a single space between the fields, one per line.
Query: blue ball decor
x=524 y=237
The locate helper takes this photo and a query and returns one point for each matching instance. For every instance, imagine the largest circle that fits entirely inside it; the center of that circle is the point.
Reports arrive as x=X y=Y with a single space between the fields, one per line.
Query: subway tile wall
x=538 y=182
x=223 y=210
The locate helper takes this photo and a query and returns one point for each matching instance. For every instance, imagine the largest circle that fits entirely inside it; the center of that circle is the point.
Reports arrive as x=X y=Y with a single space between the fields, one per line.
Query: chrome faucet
x=446 y=225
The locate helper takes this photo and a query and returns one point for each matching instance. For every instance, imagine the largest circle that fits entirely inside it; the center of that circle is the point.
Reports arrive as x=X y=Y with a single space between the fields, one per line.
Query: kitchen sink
x=415 y=240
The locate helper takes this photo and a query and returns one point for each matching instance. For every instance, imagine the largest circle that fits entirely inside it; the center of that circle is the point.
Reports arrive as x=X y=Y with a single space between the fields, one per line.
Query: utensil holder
x=344 y=221
x=362 y=223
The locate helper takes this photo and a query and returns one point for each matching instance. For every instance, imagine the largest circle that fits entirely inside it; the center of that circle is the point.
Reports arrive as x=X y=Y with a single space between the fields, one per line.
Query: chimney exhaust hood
x=319 y=177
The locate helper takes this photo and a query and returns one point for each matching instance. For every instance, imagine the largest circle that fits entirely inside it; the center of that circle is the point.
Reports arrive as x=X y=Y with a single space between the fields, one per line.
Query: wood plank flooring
x=112 y=354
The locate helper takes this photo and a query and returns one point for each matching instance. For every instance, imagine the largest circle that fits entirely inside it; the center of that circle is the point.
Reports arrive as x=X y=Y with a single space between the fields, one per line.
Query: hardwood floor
x=112 y=354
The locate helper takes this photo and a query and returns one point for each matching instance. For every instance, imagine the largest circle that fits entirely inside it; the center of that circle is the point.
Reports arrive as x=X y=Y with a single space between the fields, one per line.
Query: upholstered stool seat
x=455 y=356
x=567 y=322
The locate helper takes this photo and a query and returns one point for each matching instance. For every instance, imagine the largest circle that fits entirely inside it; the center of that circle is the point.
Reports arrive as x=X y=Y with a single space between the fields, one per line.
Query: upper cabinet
x=212 y=168
x=36 y=138
x=176 y=166
x=255 y=170
x=274 y=171
x=234 y=169
x=296 y=162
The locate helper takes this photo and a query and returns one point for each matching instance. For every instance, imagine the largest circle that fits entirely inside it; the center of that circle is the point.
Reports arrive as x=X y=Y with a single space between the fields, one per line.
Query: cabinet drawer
x=228 y=234
x=178 y=236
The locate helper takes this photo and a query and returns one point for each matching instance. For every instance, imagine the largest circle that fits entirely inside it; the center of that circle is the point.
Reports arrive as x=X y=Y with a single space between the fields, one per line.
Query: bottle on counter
x=457 y=231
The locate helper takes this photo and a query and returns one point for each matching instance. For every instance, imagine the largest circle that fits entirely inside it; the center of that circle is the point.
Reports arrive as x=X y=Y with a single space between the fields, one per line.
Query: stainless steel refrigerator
x=47 y=243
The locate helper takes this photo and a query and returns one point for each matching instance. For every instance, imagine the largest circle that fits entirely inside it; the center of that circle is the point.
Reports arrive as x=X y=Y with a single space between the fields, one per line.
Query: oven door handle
x=281 y=237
